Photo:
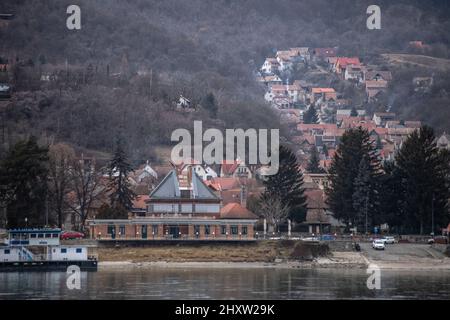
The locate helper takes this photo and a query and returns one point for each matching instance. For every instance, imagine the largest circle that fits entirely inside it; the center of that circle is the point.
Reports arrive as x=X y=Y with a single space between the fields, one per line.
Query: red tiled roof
x=344 y=61
x=323 y=90
x=226 y=183
x=230 y=167
x=236 y=211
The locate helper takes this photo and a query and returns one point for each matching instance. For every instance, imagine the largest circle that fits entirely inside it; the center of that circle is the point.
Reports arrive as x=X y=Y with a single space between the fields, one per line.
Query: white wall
x=56 y=254
x=12 y=256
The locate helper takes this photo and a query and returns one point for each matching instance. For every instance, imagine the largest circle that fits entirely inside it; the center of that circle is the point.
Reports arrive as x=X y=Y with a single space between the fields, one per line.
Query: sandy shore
x=347 y=260
x=336 y=260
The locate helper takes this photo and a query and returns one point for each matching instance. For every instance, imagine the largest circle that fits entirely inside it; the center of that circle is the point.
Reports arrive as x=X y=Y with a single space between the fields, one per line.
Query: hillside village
x=293 y=98
x=292 y=82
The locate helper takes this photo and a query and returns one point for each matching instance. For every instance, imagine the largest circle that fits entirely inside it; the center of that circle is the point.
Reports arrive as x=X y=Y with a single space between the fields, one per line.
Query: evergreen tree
x=23 y=175
x=355 y=146
x=209 y=103
x=389 y=210
x=325 y=150
x=424 y=172
x=310 y=116
x=287 y=185
x=119 y=169
x=363 y=197
x=314 y=162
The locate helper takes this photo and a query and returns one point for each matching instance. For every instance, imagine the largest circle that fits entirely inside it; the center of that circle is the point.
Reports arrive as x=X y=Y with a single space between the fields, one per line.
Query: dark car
x=69 y=235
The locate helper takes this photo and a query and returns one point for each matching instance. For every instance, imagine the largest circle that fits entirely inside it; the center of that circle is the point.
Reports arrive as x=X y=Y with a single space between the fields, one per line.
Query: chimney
x=243 y=195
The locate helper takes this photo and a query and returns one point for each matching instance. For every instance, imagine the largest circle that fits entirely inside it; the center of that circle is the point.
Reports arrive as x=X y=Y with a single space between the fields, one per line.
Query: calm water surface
x=227 y=284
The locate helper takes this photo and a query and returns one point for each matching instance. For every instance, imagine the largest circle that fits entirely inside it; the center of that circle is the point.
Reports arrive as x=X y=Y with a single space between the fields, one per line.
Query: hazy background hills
x=194 y=48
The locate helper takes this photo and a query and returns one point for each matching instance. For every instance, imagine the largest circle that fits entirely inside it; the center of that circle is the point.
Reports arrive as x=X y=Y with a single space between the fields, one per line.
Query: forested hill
x=193 y=48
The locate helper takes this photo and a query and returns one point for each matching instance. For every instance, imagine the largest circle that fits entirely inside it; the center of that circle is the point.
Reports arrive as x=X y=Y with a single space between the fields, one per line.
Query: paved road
x=401 y=252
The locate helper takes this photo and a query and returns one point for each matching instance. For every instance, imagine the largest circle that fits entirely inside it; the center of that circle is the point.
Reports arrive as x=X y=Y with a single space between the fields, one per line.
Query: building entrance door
x=144 y=231
x=174 y=231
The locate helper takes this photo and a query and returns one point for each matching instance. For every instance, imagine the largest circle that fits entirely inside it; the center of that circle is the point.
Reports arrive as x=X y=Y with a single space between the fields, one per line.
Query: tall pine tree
x=287 y=185
x=119 y=169
x=363 y=196
x=314 y=162
x=310 y=116
x=424 y=172
x=23 y=175
x=355 y=146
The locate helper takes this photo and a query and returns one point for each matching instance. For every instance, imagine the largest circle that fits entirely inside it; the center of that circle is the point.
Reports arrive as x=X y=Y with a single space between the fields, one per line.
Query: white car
x=389 y=240
x=378 y=244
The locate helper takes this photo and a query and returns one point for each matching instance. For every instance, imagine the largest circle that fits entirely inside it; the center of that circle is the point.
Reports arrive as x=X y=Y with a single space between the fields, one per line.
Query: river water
x=227 y=284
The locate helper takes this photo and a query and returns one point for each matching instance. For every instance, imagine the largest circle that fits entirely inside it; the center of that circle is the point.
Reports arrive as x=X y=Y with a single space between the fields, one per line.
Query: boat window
x=63 y=250
x=55 y=235
x=7 y=251
x=40 y=235
x=48 y=235
x=33 y=235
x=79 y=250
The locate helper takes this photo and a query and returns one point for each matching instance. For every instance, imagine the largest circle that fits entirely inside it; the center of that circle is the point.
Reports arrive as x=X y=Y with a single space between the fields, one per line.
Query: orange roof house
x=342 y=63
x=324 y=93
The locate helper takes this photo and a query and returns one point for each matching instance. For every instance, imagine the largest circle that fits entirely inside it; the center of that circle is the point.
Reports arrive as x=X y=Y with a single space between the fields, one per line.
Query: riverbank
x=272 y=254
x=333 y=260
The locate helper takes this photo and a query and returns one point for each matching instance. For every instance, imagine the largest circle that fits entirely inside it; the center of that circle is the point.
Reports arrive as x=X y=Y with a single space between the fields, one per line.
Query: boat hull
x=25 y=266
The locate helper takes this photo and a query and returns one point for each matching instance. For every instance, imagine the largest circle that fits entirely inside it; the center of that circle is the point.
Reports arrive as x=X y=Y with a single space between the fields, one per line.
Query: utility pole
x=432 y=216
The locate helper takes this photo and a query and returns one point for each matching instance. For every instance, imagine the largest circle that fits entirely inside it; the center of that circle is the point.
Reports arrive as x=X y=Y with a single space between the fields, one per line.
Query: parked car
x=378 y=244
x=389 y=240
x=69 y=235
x=327 y=237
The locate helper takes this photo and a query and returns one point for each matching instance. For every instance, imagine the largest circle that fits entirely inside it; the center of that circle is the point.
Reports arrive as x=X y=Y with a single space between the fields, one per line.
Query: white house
x=147 y=172
x=184 y=103
x=270 y=66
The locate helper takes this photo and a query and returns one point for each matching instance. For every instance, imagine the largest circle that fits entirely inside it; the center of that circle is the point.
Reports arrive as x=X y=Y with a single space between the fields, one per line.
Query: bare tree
x=86 y=187
x=273 y=209
x=61 y=157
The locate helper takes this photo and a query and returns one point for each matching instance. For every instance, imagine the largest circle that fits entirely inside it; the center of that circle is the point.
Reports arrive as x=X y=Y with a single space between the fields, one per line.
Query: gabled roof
x=236 y=211
x=376 y=84
x=344 y=61
x=323 y=90
x=169 y=188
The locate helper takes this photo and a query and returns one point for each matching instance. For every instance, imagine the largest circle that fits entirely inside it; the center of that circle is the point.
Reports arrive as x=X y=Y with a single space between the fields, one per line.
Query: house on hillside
x=380 y=118
x=343 y=62
x=324 y=94
x=303 y=53
x=181 y=207
x=422 y=84
x=289 y=92
x=285 y=61
x=270 y=80
x=235 y=169
x=270 y=66
x=374 y=88
x=185 y=104
x=354 y=73
x=324 y=53
x=373 y=75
